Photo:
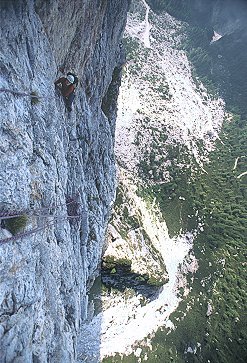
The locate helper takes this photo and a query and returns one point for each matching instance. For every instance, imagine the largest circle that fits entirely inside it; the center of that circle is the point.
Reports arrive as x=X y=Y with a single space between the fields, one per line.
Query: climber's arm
x=59 y=81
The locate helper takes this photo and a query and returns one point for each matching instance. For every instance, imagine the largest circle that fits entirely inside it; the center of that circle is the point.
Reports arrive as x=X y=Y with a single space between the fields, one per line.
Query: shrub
x=155 y=282
x=17 y=224
x=34 y=98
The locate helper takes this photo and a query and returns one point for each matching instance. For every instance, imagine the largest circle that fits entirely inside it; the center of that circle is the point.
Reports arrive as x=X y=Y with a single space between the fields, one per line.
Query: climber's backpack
x=75 y=77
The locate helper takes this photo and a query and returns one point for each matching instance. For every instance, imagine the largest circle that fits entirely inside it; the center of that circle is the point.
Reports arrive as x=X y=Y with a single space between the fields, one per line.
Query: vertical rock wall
x=50 y=158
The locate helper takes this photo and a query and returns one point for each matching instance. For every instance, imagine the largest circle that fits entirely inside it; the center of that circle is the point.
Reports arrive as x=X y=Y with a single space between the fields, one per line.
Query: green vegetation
x=197 y=47
x=158 y=83
x=220 y=199
x=112 y=265
x=17 y=224
x=128 y=221
x=172 y=197
x=155 y=281
x=132 y=48
x=34 y=98
x=110 y=262
x=110 y=99
x=137 y=54
x=177 y=8
x=217 y=199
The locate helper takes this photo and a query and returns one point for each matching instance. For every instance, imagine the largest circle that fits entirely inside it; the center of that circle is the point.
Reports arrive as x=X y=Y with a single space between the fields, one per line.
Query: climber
x=66 y=85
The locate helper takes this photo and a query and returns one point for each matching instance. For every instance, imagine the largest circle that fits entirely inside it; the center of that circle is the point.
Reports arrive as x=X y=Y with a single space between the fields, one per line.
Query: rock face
x=134 y=236
x=54 y=165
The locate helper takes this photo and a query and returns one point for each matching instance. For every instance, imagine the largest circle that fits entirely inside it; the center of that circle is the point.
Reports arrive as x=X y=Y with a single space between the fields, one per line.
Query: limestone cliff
x=54 y=166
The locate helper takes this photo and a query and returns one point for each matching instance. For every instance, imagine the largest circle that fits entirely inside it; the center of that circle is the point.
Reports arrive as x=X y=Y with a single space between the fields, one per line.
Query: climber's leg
x=69 y=100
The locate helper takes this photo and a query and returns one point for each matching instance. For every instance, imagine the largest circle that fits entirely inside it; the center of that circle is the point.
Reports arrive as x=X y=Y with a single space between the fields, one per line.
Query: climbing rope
x=36 y=212
x=72 y=206
x=17 y=93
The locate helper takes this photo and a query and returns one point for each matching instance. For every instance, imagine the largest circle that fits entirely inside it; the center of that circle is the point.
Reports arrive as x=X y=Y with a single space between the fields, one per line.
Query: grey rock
x=48 y=157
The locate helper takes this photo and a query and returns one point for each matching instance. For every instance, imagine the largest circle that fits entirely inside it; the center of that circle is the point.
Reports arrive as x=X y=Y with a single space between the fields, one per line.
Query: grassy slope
x=221 y=250
x=221 y=279
x=220 y=198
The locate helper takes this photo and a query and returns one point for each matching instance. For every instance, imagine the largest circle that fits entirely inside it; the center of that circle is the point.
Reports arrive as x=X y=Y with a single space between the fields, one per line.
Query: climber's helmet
x=70 y=78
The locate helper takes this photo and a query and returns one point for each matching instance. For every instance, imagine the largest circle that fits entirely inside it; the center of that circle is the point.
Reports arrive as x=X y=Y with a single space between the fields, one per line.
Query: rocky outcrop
x=54 y=166
x=134 y=237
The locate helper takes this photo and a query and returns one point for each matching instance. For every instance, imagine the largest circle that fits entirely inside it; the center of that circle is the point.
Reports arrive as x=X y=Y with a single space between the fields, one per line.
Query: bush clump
x=17 y=224
x=34 y=98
